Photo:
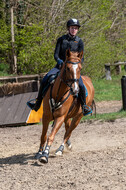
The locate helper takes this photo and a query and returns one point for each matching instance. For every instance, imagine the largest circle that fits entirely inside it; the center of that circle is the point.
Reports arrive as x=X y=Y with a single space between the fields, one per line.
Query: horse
x=61 y=104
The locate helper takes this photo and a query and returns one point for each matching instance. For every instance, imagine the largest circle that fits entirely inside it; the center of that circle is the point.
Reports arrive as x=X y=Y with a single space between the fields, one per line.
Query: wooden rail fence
x=117 y=67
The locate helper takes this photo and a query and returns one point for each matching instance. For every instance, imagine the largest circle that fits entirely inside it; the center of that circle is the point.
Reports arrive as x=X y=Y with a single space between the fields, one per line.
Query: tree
x=38 y=24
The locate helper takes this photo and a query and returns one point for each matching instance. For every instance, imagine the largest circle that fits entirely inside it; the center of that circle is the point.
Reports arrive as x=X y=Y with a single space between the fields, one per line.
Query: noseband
x=74 y=63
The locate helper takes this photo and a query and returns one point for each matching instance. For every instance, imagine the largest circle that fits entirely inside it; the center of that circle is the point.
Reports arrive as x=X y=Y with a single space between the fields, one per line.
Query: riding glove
x=59 y=63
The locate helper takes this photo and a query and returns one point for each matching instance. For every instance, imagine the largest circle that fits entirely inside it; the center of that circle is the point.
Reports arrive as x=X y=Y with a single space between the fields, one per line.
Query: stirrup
x=86 y=110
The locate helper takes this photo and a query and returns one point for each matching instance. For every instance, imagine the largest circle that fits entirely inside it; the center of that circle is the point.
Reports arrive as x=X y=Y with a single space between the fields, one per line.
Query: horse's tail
x=93 y=107
x=90 y=88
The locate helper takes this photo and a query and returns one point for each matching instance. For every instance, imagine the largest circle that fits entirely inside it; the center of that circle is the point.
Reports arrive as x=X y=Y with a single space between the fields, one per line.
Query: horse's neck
x=60 y=84
x=59 y=87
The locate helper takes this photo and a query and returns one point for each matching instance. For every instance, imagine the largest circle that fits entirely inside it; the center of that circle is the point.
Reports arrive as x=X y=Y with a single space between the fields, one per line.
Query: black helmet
x=73 y=22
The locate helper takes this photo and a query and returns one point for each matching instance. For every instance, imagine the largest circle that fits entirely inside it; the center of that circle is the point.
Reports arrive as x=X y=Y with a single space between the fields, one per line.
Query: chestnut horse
x=62 y=105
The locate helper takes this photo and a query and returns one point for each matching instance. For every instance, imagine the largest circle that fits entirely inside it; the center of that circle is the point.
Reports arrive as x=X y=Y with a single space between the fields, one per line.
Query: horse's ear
x=68 y=53
x=80 y=54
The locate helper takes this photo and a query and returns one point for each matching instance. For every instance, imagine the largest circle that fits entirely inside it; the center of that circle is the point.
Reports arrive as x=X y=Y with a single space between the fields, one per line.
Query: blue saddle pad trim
x=86 y=91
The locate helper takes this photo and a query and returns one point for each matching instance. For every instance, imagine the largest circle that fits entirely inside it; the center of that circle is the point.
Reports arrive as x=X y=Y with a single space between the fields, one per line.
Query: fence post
x=118 y=69
x=108 y=72
x=123 y=84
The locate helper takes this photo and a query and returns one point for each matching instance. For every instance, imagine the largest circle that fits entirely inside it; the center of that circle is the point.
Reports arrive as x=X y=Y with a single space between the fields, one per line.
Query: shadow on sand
x=21 y=159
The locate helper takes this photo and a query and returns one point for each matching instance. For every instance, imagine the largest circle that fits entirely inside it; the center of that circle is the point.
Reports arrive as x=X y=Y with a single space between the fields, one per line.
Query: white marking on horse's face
x=76 y=88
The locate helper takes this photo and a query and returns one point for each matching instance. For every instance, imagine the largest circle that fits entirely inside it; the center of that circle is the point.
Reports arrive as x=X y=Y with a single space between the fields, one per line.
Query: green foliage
x=101 y=38
x=35 y=52
x=40 y=23
x=4 y=69
x=4 y=49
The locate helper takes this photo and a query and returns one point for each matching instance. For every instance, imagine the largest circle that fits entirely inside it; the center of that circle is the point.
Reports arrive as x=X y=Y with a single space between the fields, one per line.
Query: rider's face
x=73 y=30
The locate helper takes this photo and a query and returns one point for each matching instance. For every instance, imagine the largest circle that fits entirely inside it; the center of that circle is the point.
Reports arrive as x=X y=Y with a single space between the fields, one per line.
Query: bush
x=4 y=69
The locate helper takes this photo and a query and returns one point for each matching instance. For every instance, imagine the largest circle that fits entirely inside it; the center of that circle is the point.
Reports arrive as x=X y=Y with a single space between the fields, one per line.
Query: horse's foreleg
x=57 y=124
x=43 y=138
x=45 y=123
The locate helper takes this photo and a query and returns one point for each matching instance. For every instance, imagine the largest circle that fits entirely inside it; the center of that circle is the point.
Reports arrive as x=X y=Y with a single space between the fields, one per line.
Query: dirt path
x=97 y=160
x=109 y=106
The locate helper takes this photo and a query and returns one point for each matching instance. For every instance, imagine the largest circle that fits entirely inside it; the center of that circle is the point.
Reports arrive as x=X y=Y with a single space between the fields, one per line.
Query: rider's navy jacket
x=67 y=42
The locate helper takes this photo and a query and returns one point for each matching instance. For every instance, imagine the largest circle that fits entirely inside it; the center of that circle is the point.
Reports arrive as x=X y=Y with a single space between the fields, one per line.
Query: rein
x=53 y=103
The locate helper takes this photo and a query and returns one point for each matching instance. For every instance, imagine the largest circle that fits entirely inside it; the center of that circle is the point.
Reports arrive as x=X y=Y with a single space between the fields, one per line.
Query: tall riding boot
x=85 y=109
x=35 y=106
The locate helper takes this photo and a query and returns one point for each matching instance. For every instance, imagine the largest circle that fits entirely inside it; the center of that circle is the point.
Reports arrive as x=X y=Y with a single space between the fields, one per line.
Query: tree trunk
x=13 y=43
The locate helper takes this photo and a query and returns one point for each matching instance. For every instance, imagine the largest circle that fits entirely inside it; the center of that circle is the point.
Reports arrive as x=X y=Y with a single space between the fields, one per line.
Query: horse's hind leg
x=67 y=125
x=74 y=123
x=43 y=139
x=59 y=151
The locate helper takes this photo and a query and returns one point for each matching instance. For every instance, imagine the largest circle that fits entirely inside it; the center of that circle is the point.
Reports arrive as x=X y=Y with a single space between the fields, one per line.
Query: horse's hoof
x=69 y=147
x=38 y=155
x=44 y=158
x=68 y=143
x=59 y=151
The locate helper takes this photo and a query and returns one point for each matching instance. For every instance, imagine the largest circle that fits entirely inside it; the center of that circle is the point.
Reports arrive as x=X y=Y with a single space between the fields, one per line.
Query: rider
x=68 y=41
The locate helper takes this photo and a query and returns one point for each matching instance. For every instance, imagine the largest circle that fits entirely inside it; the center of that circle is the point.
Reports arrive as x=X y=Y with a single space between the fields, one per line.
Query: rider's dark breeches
x=53 y=71
x=81 y=84
x=45 y=83
x=82 y=92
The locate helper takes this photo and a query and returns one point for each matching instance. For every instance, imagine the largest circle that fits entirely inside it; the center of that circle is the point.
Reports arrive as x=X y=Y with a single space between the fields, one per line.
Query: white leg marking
x=75 y=83
x=47 y=150
x=58 y=151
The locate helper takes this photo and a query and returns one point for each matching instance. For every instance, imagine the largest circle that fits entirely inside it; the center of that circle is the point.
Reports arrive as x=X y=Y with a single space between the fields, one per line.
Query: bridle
x=69 y=82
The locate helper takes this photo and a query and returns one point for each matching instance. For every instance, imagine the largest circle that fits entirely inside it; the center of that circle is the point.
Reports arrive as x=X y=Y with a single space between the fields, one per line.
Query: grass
x=107 y=90
x=106 y=116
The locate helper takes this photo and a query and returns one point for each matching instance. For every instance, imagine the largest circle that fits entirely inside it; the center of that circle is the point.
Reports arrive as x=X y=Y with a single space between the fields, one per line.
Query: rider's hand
x=60 y=63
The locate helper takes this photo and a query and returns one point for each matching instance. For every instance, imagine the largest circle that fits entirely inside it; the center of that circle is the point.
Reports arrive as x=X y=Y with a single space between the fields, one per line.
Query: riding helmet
x=73 y=22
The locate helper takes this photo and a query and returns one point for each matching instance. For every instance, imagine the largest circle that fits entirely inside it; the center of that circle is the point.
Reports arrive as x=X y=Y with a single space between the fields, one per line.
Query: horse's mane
x=73 y=55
